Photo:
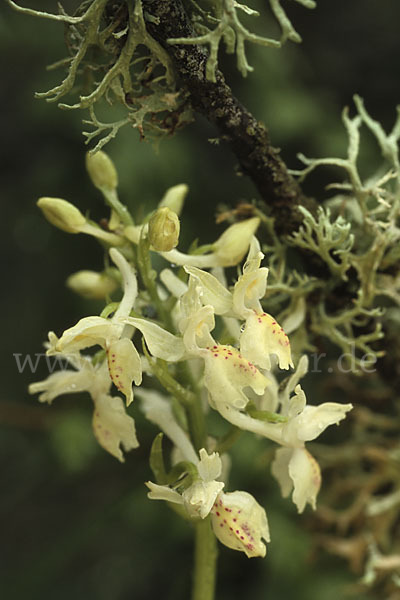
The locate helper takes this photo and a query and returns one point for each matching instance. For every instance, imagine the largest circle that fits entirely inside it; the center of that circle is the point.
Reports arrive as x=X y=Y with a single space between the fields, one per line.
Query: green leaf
x=157 y=460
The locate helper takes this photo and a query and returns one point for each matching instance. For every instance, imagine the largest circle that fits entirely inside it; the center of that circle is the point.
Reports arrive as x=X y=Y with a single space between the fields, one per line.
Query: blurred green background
x=74 y=522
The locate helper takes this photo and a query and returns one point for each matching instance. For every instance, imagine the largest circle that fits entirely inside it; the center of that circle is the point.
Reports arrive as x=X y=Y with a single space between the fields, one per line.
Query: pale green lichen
x=232 y=31
x=340 y=329
x=376 y=196
x=326 y=239
x=288 y=31
x=223 y=24
x=357 y=230
x=353 y=243
x=131 y=68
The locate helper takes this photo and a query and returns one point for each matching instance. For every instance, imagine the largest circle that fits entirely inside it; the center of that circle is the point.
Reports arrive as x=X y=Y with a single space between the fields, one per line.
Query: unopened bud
x=62 y=214
x=101 y=170
x=164 y=230
x=91 y=285
x=233 y=244
x=174 y=198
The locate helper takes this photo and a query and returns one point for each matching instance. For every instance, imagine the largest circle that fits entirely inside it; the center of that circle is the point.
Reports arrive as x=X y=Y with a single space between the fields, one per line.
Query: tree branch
x=247 y=137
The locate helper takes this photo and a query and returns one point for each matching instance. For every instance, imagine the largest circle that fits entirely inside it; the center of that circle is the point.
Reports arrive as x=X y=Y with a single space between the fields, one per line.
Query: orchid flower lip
x=112 y=426
x=240 y=523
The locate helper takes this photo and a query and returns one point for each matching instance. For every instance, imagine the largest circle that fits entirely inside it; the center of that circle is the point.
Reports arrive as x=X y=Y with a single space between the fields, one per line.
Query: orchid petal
x=227 y=372
x=163 y=492
x=89 y=331
x=173 y=284
x=280 y=470
x=129 y=284
x=210 y=465
x=157 y=409
x=297 y=469
x=189 y=303
x=315 y=419
x=113 y=427
x=296 y=316
x=254 y=257
x=212 y=291
x=233 y=244
x=161 y=343
x=57 y=384
x=199 y=498
x=263 y=336
x=124 y=366
x=248 y=290
x=196 y=334
x=306 y=476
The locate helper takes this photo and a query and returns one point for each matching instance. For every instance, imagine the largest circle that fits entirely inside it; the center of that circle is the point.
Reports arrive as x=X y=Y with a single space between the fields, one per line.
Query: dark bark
x=247 y=137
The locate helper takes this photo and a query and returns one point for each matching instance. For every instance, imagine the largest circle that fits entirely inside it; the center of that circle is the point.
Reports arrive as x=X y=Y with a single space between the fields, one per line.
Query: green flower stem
x=197 y=423
x=189 y=400
x=228 y=440
x=194 y=409
x=148 y=276
x=111 y=198
x=105 y=236
x=160 y=370
x=205 y=561
x=109 y=309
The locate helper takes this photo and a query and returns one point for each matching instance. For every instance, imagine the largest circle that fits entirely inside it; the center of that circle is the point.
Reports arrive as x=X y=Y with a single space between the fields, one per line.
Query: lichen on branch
x=113 y=58
x=152 y=58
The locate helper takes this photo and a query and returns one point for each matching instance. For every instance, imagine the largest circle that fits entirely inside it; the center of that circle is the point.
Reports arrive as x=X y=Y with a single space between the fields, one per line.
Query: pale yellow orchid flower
x=200 y=497
x=112 y=427
x=123 y=359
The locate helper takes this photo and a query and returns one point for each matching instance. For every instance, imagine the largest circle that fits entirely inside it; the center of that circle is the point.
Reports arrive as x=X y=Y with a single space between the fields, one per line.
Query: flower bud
x=101 y=170
x=233 y=244
x=164 y=229
x=174 y=198
x=92 y=285
x=62 y=214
